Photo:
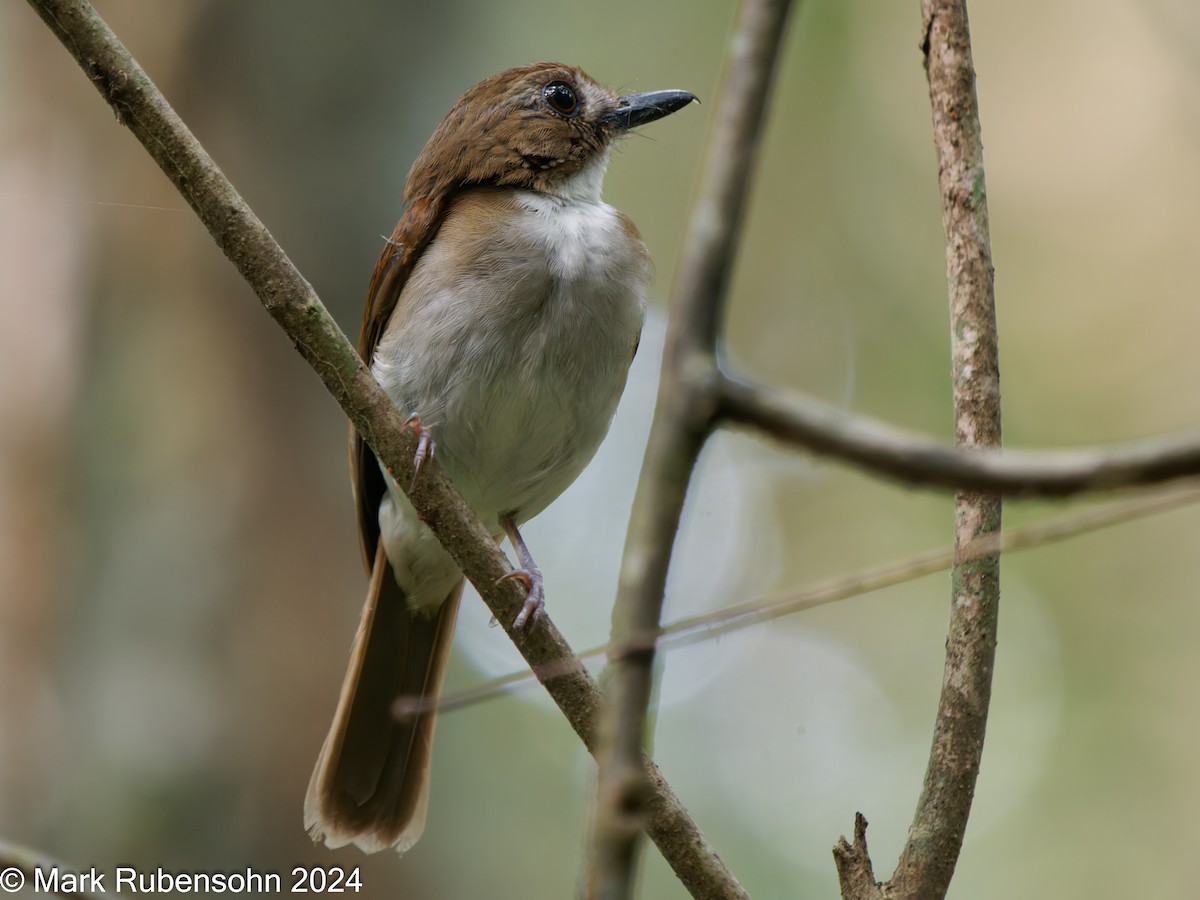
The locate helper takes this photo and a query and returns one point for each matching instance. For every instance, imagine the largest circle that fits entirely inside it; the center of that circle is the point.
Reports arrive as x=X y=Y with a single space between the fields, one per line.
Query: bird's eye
x=561 y=98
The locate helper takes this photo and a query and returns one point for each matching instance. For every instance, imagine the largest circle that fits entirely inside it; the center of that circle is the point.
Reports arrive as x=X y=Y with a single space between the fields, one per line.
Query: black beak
x=638 y=109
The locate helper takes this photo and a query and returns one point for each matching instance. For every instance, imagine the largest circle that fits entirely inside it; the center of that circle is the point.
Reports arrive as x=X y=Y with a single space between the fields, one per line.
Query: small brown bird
x=502 y=316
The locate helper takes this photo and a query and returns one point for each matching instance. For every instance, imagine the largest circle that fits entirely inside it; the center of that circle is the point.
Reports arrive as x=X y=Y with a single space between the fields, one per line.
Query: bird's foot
x=527 y=573
x=426 y=446
x=535 y=596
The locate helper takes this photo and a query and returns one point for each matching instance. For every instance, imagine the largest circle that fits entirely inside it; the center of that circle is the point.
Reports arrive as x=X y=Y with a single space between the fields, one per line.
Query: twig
x=683 y=417
x=712 y=625
x=855 y=872
x=293 y=304
x=936 y=834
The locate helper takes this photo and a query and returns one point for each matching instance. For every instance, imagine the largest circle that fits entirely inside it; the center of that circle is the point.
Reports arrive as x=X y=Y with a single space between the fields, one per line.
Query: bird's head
x=538 y=127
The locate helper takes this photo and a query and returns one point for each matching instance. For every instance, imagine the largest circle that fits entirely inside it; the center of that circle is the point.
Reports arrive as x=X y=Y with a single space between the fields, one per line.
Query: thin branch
x=683 y=417
x=294 y=305
x=712 y=625
x=922 y=461
x=23 y=866
x=935 y=837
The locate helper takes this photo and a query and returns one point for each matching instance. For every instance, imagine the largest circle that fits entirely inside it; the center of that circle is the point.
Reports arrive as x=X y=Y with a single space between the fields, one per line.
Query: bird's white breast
x=512 y=340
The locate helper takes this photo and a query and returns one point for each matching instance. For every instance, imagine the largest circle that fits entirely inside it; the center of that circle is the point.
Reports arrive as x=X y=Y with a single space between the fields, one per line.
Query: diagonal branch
x=683 y=418
x=294 y=305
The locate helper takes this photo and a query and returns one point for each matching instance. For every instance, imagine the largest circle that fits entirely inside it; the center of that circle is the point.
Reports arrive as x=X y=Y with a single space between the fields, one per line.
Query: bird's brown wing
x=412 y=234
x=371 y=781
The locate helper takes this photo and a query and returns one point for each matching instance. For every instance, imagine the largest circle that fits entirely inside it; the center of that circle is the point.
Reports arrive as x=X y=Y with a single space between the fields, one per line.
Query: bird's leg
x=426 y=446
x=528 y=574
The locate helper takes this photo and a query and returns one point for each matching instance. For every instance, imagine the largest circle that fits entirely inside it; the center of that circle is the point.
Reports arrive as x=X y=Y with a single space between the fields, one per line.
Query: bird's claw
x=426 y=446
x=535 y=597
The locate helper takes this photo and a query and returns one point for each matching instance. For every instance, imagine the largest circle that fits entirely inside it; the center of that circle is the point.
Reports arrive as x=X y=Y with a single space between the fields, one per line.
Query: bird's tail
x=370 y=786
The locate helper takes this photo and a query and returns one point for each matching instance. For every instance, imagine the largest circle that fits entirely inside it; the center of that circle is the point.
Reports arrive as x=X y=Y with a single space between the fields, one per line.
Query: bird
x=501 y=318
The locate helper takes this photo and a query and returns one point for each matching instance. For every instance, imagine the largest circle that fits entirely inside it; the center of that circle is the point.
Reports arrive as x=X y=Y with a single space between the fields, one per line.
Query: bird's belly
x=518 y=440
x=512 y=435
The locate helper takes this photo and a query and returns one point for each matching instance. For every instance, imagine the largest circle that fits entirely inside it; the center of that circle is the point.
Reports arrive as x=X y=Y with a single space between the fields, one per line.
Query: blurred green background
x=179 y=571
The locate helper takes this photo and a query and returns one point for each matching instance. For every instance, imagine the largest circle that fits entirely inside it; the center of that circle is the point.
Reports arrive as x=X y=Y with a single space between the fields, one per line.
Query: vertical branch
x=941 y=820
x=935 y=837
x=687 y=404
